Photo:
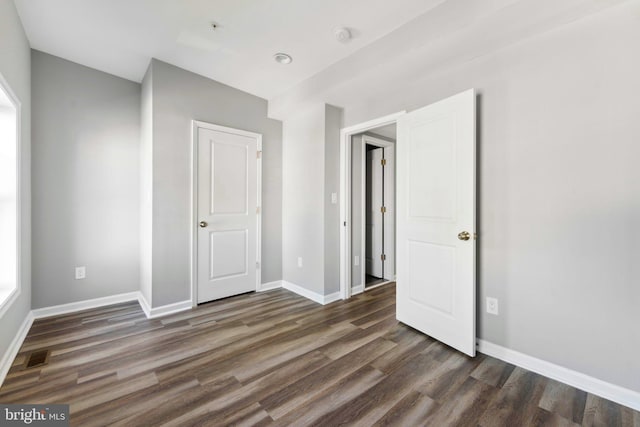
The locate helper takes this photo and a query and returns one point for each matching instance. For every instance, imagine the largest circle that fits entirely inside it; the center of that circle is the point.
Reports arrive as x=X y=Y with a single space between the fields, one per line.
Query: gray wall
x=15 y=66
x=178 y=97
x=86 y=145
x=303 y=198
x=558 y=176
x=310 y=219
x=332 y=126
x=146 y=185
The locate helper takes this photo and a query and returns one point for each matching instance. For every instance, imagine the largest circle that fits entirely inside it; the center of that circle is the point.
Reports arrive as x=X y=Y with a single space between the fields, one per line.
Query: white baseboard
x=144 y=305
x=73 y=307
x=270 y=285
x=328 y=299
x=358 y=289
x=313 y=296
x=163 y=310
x=575 y=379
x=11 y=352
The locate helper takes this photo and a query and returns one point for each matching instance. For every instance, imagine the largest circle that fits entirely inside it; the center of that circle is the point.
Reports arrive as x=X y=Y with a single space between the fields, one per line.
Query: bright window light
x=9 y=219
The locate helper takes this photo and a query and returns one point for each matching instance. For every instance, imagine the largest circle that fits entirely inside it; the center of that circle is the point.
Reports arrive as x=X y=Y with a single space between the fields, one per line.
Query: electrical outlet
x=299 y=262
x=492 y=305
x=356 y=260
x=334 y=198
x=81 y=272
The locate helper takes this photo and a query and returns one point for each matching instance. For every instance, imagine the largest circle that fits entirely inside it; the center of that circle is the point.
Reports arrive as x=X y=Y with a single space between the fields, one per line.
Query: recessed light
x=282 y=58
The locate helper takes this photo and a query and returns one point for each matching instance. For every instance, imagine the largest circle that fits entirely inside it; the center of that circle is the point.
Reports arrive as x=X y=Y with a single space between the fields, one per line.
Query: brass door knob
x=203 y=224
x=464 y=235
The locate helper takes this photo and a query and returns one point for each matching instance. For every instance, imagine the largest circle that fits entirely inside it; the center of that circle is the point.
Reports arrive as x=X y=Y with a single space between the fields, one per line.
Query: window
x=9 y=195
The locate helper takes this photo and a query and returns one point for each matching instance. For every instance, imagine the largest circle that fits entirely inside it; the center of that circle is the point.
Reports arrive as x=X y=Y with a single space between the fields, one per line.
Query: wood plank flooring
x=275 y=358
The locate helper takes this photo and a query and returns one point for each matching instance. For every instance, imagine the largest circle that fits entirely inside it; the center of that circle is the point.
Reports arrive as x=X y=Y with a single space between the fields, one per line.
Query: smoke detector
x=343 y=34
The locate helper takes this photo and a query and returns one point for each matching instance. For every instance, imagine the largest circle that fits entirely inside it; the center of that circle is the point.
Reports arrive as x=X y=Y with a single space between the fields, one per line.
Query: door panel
x=227 y=217
x=229 y=253
x=229 y=178
x=435 y=201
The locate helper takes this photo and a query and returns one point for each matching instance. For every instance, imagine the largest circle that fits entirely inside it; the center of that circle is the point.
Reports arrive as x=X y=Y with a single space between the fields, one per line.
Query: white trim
x=12 y=351
x=195 y=124
x=73 y=307
x=9 y=300
x=144 y=305
x=270 y=285
x=368 y=288
x=358 y=289
x=328 y=299
x=17 y=105
x=592 y=385
x=370 y=140
x=164 y=310
x=345 y=199
x=313 y=296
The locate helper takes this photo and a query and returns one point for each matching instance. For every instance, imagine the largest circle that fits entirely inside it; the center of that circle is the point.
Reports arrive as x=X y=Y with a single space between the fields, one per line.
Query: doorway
x=373 y=208
x=352 y=276
x=435 y=222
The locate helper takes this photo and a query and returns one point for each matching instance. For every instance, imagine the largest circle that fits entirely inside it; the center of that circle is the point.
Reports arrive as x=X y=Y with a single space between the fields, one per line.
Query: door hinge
x=383 y=162
x=383 y=257
x=257 y=265
x=383 y=209
x=258 y=154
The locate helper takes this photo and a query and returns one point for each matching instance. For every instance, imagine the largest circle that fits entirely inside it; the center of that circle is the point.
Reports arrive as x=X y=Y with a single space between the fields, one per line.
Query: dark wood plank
x=275 y=358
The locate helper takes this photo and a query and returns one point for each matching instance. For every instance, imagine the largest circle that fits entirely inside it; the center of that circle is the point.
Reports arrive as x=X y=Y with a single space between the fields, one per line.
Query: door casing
x=195 y=125
x=370 y=140
x=345 y=195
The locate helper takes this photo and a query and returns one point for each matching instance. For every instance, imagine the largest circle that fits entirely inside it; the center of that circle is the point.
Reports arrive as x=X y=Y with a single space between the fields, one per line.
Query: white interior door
x=435 y=217
x=389 y=194
x=227 y=197
x=374 y=203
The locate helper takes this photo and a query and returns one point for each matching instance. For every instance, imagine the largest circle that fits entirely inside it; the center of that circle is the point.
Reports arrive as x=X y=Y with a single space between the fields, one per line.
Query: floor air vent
x=37 y=358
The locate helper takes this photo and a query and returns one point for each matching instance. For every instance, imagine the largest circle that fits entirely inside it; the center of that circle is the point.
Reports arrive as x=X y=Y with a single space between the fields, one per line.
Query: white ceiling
x=388 y=131
x=121 y=36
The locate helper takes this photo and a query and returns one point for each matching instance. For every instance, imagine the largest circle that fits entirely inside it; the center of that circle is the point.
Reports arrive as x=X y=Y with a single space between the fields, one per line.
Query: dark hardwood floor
x=275 y=358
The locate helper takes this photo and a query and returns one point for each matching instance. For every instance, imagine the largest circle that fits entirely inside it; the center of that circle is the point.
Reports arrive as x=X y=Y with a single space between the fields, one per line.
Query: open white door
x=436 y=291
x=375 y=204
x=227 y=200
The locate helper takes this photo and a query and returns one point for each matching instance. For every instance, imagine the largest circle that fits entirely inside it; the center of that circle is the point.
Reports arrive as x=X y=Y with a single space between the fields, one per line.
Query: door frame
x=195 y=125
x=381 y=143
x=345 y=199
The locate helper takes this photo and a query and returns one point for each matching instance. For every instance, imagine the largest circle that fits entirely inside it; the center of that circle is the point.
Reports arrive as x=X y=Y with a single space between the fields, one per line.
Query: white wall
x=557 y=162
x=15 y=66
x=86 y=150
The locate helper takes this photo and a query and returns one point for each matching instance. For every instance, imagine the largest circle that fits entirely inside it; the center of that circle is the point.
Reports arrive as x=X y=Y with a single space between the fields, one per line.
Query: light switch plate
x=492 y=305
